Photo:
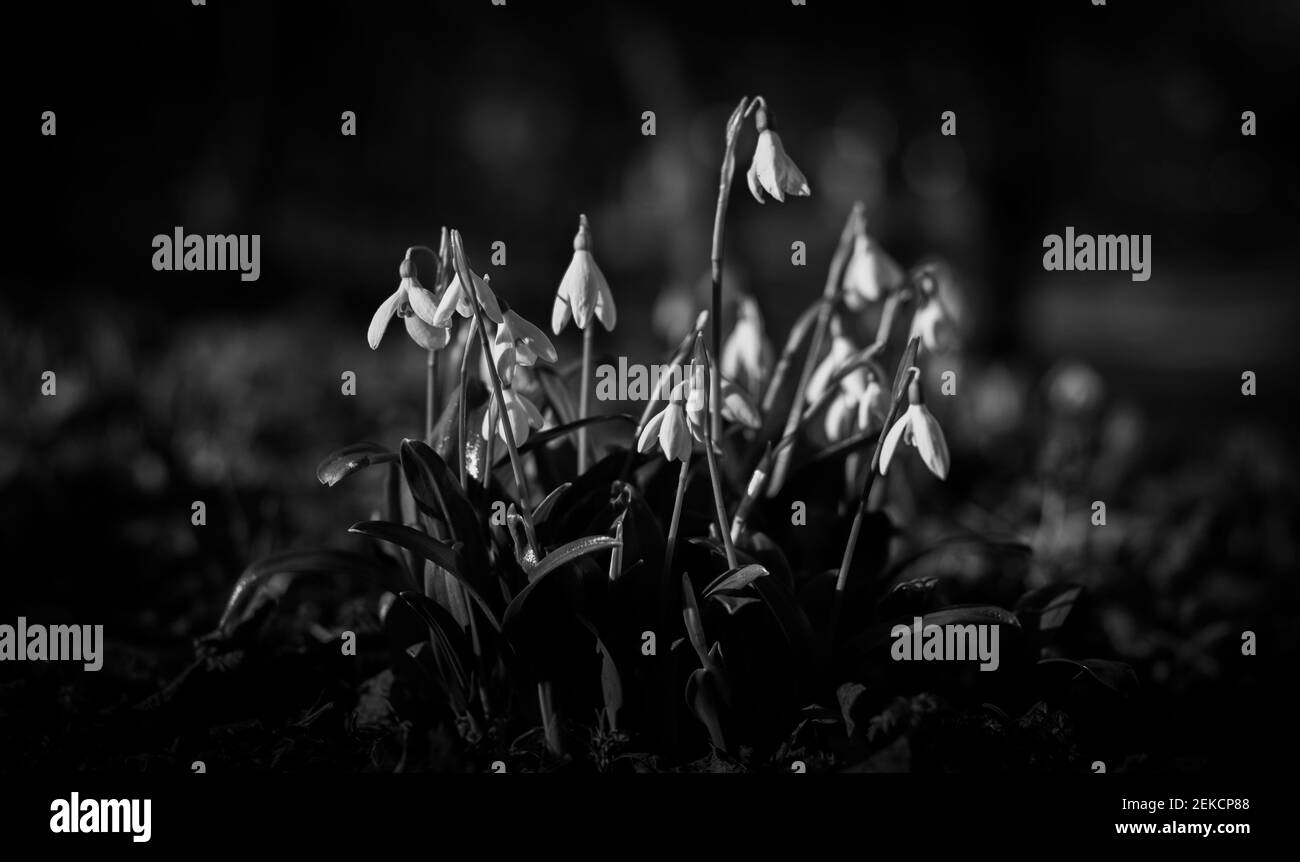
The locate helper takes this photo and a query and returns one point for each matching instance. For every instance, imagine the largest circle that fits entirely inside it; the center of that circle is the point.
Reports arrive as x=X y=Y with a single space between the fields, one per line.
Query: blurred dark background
x=507 y=122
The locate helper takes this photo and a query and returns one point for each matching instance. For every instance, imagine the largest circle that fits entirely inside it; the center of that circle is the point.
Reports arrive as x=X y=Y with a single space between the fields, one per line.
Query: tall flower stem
x=715 y=477
x=582 y=395
x=719 y=229
x=841 y=581
x=498 y=387
x=834 y=277
x=667 y=610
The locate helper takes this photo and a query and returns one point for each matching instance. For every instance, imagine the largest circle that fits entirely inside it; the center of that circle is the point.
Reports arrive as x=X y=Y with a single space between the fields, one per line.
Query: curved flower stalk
x=771 y=169
x=583 y=292
x=871 y=273
x=414 y=303
x=917 y=427
x=747 y=353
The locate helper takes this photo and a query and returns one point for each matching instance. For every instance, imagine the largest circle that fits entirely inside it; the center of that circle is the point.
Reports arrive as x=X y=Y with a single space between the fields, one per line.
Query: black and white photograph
x=505 y=387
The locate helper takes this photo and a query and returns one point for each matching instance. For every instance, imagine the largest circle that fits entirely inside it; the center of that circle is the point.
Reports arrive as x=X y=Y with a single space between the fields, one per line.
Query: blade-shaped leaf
x=450 y=647
x=439 y=495
x=694 y=622
x=569 y=552
x=551 y=563
x=342 y=463
x=548 y=503
x=436 y=552
x=318 y=561
x=735 y=579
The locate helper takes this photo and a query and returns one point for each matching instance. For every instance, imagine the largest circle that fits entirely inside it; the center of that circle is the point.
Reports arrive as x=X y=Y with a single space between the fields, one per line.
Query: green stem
x=841 y=581
x=585 y=384
x=834 y=276
x=715 y=477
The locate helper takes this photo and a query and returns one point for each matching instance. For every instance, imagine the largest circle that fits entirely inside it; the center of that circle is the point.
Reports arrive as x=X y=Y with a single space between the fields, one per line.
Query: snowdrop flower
x=417 y=305
x=669 y=428
x=518 y=342
x=849 y=413
x=583 y=290
x=870 y=273
x=772 y=170
x=522 y=414
x=918 y=427
x=747 y=353
x=931 y=321
x=455 y=300
x=737 y=405
x=841 y=351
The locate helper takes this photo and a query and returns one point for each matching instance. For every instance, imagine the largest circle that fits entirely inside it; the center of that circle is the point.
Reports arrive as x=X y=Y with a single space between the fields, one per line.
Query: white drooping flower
x=583 y=290
x=522 y=414
x=519 y=342
x=917 y=427
x=416 y=305
x=747 y=353
x=771 y=169
x=670 y=428
x=870 y=273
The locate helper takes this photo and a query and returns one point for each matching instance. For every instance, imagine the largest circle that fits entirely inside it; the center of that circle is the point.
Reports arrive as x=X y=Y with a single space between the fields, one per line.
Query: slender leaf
x=299 y=562
x=342 y=463
x=439 y=553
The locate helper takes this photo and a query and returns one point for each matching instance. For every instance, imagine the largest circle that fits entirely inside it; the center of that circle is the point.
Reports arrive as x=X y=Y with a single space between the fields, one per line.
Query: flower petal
x=560 y=314
x=383 y=314
x=606 y=313
x=928 y=439
x=751 y=177
x=428 y=337
x=449 y=304
x=674 y=435
x=423 y=302
x=579 y=285
x=531 y=413
x=738 y=406
x=650 y=434
x=526 y=334
x=891 y=441
x=487 y=299
x=836 y=414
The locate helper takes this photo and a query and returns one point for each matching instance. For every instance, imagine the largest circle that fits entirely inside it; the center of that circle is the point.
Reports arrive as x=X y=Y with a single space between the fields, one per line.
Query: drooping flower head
x=870 y=273
x=457 y=301
x=917 y=427
x=747 y=353
x=669 y=427
x=518 y=342
x=772 y=170
x=583 y=290
x=521 y=413
x=932 y=322
x=416 y=305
